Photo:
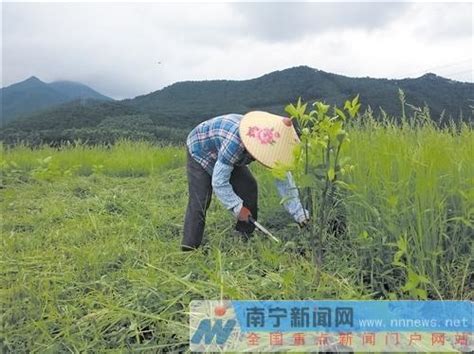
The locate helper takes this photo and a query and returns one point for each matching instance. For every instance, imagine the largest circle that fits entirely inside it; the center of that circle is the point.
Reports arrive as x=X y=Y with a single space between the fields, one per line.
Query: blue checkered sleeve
x=232 y=148
x=223 y=189
x=288 y=191
x=230 y=151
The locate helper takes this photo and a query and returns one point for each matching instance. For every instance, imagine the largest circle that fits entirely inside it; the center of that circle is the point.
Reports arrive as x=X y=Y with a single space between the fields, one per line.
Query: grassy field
x=90 y=256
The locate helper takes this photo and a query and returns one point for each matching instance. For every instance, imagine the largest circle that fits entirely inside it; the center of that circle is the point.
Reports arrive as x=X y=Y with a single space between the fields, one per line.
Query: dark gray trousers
x=200 y=193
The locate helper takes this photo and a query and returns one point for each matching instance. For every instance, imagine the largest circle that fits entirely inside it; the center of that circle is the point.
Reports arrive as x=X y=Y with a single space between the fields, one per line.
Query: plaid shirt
x=218 y=139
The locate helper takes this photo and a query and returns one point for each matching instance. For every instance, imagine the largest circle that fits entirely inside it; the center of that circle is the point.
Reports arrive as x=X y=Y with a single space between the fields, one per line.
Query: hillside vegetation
x=189 y=102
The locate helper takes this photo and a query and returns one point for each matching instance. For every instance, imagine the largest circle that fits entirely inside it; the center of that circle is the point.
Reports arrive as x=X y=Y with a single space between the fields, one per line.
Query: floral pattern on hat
x=264 y=135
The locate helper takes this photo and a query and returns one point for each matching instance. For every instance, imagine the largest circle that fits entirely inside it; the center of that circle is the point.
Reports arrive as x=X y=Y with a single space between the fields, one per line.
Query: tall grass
x=126 y=158
x=411 y=206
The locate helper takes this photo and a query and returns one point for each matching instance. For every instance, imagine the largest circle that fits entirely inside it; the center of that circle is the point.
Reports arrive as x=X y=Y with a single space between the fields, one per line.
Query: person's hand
x=244 y=214
x=304 y=224
x=303 y=220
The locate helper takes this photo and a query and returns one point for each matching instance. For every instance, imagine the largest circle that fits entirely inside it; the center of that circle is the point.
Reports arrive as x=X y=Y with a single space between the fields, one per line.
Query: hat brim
x=268 y=139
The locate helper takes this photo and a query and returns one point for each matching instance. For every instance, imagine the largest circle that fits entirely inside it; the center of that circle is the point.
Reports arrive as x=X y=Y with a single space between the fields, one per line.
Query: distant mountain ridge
x=33 y=94
x=176 y=109
x=202 y=99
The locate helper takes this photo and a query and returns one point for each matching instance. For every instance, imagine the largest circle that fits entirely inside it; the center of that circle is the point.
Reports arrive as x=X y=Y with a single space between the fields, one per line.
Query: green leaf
x=279 y=172
x=322 y=109
x=302 y=109
x=334 y=129
x=398 y=255
x=331 y=174
x=410 y=285
x=347 y=105
x=291 y=110
x=413 y=281
x=420 y=293
x=341 y=114
x=355 y=101
x=402 y=244
x=341 y=136
x=352 y=106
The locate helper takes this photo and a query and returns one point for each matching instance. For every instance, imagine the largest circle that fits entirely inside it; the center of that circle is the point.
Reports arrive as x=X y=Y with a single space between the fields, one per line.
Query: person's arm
x=223 y=189
x=288 y=191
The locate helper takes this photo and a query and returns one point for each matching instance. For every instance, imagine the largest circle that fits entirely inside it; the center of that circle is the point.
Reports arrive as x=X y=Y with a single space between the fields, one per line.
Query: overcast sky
x=126 y=49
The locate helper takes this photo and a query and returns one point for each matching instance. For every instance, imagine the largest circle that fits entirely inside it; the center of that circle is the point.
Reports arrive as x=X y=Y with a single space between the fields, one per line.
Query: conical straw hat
x=269 y=138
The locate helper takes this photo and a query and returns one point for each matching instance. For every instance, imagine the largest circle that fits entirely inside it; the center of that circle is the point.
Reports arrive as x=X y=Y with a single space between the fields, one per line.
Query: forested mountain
x=33 y=94
x=171 y=112
x=75 y=90
x=186 y=103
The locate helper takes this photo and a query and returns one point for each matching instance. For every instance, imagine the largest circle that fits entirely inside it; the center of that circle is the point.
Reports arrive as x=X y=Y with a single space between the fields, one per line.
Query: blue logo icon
x=208 y=331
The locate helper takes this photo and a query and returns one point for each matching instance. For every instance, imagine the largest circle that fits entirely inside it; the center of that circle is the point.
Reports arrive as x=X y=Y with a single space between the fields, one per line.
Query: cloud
x=290 y=21
x=442 y=21
x=115 y=47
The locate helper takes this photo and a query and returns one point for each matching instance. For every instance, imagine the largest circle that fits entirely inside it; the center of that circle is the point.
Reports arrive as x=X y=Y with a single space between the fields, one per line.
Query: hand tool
x=261 y=228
